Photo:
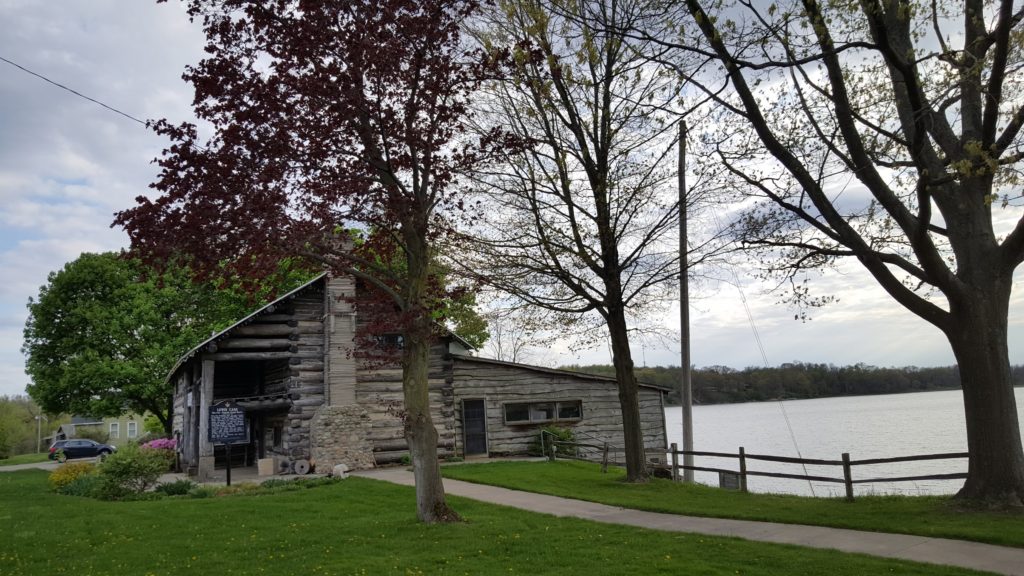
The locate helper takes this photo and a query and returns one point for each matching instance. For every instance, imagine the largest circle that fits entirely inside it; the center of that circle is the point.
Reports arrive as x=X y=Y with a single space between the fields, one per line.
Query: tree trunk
x=420 y=433
x=996 y=468
x=629 y=403
x=165 y=417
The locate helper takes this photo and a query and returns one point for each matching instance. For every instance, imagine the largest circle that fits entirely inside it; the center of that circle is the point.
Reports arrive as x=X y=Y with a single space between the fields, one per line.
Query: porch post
x=205 y=400
x=187 y=425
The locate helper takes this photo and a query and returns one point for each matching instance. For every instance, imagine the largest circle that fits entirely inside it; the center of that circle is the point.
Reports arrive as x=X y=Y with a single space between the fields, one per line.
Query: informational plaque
x=729 y=480
x=228 y=424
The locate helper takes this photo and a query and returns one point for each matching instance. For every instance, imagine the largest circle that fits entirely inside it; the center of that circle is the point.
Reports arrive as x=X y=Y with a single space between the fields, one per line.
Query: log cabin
x=309 y=402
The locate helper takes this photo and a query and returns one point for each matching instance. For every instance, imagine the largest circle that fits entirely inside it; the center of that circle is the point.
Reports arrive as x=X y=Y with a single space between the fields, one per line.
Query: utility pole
x=39 y=433
x=686 y=382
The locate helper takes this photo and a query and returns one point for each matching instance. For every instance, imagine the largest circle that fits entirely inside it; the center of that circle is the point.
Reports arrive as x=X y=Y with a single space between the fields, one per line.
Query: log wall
x=499 y=383
x=379 y=392
x=306 y=370
x=277 y=355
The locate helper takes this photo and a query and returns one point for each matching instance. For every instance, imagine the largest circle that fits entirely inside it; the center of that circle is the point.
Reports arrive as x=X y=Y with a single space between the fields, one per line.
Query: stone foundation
x=340 y=435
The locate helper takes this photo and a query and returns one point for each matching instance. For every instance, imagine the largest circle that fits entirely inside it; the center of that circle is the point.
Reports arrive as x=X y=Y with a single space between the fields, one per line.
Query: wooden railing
x=601 y=451
x=552 y=447
x=845 y=462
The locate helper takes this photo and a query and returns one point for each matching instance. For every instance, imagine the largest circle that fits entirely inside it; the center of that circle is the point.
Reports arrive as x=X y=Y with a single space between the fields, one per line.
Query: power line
x=75 y=92
x=764 y=356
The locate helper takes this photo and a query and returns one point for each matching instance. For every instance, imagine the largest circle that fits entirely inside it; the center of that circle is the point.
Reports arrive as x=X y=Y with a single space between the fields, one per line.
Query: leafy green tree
x=464 y=320
x=151 y=425
x=18 y=432
x=104 y=331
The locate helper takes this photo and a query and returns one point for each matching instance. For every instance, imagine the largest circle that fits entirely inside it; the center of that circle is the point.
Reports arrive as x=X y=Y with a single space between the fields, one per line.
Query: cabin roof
x=555 y=371
x=85 y=420
x=219 y=335
x=261 y=310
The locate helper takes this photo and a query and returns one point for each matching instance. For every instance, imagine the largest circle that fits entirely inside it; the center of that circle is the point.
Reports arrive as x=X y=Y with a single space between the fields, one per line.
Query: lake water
x=865 y=426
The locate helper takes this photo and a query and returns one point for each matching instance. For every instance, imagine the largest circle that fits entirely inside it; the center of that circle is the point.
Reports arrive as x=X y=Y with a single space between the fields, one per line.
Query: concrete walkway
x=998 y=559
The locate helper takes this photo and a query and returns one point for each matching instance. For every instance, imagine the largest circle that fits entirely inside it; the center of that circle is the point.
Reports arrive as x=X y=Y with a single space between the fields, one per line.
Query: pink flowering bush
x=162 y=444
x=164 y=447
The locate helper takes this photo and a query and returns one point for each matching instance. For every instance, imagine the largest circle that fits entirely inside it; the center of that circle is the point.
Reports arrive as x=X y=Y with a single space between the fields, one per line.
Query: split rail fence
x=845 y=463
x=598 y=451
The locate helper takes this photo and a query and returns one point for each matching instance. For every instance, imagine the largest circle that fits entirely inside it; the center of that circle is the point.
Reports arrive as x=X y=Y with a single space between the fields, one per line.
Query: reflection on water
x=865 y=426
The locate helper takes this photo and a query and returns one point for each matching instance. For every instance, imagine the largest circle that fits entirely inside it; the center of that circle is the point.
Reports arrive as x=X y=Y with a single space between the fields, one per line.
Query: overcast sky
x=67 y=164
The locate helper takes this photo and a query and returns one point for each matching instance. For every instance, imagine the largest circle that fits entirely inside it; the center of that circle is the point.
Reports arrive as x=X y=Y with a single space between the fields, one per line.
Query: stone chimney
x=339 y=340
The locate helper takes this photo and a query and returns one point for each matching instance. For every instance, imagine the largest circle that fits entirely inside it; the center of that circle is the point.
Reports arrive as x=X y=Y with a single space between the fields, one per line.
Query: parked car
x=79 y=448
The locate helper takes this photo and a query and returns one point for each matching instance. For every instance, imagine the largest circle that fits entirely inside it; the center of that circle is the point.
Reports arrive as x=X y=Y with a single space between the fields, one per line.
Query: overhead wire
x=764 y=357
x=75 y=92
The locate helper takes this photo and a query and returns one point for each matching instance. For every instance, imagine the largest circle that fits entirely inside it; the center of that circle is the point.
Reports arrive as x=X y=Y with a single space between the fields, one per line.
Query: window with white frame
x=133 y=429
x=543 y=412
x=115 y=430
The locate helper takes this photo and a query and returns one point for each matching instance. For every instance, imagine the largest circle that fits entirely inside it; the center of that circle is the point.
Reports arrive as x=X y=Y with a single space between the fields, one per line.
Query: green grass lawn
x=361 y=526
x=24 y=459
x=922 y=515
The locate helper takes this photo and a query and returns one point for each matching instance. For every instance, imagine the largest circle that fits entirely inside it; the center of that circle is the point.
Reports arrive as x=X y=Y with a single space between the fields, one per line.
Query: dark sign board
x=228 y=424
x=729 y=480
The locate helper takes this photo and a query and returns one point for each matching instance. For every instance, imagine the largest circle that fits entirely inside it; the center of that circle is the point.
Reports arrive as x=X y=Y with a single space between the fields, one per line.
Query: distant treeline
x=721 y=384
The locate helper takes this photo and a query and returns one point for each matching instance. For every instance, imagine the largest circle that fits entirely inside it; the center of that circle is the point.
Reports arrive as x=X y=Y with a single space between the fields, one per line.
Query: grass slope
x=358 y=527
x=24 y=459
x=921 y=515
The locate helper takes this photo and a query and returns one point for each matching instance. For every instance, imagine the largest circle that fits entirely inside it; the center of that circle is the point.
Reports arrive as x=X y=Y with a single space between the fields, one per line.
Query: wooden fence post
x=675 y=463
x=743 y=469
x=604 y=459
x=848 y=476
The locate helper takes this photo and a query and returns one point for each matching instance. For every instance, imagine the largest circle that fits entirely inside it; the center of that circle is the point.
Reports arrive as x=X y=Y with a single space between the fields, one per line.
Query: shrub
x=130 y=470
x=240 y=488
x=161 y=444
x=550 y=433
x=165 y=446
x=316 y=482
x=203 y=492
x=86 y=485
x=278 y=485
x=176 y=488
x=68 y=473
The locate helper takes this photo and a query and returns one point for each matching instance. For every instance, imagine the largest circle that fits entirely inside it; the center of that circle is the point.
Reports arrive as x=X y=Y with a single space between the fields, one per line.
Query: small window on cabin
x=115 y=430
x=517 y=413
x=392 y=341
x=543 y=412
x=570 y=410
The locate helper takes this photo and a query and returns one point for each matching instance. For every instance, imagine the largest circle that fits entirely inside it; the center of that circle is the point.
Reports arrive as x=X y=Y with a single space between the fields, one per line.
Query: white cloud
x=66 y=164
